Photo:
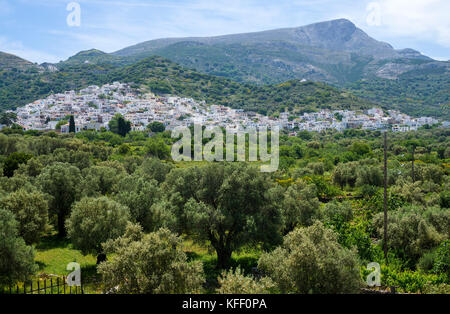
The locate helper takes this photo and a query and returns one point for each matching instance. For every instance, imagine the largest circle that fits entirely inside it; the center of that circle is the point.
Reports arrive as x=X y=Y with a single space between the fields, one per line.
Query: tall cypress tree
x=72 y=125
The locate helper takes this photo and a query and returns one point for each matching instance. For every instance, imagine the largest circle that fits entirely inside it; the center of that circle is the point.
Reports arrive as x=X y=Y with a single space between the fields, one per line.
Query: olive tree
x=154 y=263
x=30 y=210
x=312 y=261
x=412 y=230
x=227 y=205
x=345 y=174
x=16 y=258
x=62 y=182
x=300 y=205
x=94 y=221
x=100 y=180
x=142 y=198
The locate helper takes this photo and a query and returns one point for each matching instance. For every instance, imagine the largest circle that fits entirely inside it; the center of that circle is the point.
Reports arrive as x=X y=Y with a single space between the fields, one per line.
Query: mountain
x=94 y=56
x=334 y=52
x=162 y=76
x=9 y=61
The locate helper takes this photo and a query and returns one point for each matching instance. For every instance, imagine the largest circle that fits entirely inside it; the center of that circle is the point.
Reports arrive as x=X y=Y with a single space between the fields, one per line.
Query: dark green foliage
x=119 y=125
x=13 y=161
x=71 y=125
x=156 y=127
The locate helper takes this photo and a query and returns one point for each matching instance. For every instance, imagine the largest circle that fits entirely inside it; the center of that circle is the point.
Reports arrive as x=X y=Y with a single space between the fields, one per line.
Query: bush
x=154 y=263
x=438 y=260
x=312 y=261
x=410 y=232
x=235 y=282
x=409 y=281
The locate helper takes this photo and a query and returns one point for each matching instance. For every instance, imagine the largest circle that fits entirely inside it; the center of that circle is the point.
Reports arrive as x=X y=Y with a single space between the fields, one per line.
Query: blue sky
x=37 y=30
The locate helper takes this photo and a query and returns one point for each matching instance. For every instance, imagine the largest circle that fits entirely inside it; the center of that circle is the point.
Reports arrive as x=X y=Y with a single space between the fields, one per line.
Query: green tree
x=229 y=205
x=154 y=263
x=312 y=261
x=345 y=174
x=154 y=169
x=156 y=147
x=30 y=210
x=100 y=180
x=139 y=195
x=93 y=221
x=7 y=118
x=13 y=162
x=156 y=127
x=71 y=125
x=300 y=206
x=119 y=125
x=369 y=175
x=16 y=258
x=61 y=181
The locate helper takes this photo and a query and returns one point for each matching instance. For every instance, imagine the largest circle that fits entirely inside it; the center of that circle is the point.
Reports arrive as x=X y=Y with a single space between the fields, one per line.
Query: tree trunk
x=223 y=258
x=101 y=258
x=61 y=226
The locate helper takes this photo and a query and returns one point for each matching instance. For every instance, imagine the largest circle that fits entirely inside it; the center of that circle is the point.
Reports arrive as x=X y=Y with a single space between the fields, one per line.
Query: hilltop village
x=95 y=106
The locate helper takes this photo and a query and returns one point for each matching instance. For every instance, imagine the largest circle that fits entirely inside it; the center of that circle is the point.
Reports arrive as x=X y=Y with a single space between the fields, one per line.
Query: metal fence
x=56 y=285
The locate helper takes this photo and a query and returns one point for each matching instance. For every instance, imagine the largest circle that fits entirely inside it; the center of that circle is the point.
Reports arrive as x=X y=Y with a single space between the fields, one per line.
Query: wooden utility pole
x=413 y=159
x=385 y=198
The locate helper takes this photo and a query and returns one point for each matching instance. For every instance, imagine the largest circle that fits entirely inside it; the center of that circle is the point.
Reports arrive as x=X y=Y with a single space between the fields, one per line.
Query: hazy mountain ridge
x=333 y=52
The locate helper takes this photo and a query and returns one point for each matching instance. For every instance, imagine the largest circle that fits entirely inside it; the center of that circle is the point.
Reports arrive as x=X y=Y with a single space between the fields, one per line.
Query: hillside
x=335 y=52
x=93 y=56
x=9 y=62
x=422 y=92
x=165 y=77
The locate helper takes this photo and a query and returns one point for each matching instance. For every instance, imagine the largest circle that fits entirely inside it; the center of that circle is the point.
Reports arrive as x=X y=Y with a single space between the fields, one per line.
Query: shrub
x=154 y=263
x=235 y=282
x=410 y=233
x=312 y=261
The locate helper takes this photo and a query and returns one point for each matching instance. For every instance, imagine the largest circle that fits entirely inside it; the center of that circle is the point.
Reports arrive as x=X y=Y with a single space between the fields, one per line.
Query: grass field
x=54 y=254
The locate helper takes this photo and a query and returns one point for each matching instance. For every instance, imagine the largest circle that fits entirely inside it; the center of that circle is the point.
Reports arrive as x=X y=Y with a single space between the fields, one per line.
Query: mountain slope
x=9 y=61
x=335 y=52
x=165 y=77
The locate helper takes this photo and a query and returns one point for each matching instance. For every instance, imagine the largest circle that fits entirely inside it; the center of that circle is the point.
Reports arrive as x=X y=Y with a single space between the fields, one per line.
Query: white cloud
x=110 y=25
x=18 y=49
x=422 y=19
